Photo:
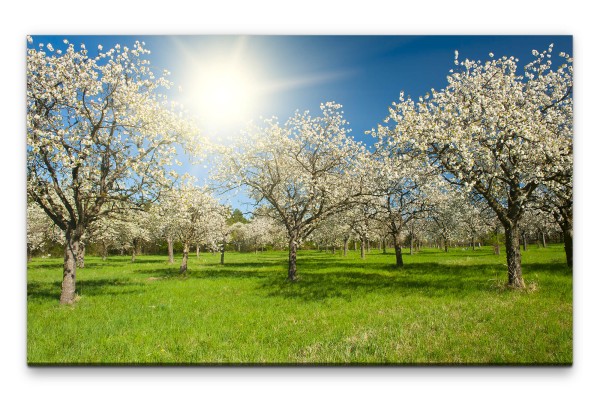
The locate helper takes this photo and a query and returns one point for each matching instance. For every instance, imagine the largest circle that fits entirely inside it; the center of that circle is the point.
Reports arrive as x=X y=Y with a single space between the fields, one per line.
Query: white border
x=302 y=17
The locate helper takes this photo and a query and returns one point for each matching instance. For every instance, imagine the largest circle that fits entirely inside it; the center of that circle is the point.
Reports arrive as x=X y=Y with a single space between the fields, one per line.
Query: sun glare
x=224 y=95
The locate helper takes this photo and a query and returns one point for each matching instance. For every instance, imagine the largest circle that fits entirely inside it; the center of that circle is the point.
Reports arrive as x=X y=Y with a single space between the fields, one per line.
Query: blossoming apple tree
x=302 y=169
x=100 y=134
x=496 y=133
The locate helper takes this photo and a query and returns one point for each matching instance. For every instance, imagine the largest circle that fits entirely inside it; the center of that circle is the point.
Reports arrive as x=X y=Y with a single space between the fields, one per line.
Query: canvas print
x=299 y=200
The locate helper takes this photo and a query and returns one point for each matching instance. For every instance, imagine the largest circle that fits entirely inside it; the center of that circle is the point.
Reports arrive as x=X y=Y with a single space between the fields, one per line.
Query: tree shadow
x=51 y=290
x=250 y=265
x=429 y=280
x=204 y=273
x=554 y=267
x=49 y=265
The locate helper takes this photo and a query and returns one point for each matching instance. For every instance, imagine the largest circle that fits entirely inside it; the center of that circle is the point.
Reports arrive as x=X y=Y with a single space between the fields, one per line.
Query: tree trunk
x=497 y=246
x=345 y=246
x=568 y=235
x=543 y=239
x=524 y=242
x=368 y=246
x=513 y=257
x=355 y=248
x=383 y=245
x=362 y=248
x=197 y=251
x=81 y=256
x=170 y=250
x=184 y=260
x=333 y=249
x=412 y=243
x=133 y=249
x=445 y=245
x=398 y=249
x=67 y=295
x=292 y=260
x=473 y=243
x=223 y=254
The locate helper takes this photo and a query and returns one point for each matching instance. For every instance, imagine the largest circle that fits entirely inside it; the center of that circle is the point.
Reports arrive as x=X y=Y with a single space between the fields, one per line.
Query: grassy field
x=439 y=309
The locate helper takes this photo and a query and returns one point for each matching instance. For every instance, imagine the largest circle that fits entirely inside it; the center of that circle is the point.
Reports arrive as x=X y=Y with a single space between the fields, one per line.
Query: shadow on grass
x=51 y=290
x=554 y=267
x=97 y=262
x=322 y=277
x=427 y=280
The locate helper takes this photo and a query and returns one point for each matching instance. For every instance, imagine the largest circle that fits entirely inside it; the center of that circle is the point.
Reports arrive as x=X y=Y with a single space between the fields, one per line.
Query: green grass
x=439 y=309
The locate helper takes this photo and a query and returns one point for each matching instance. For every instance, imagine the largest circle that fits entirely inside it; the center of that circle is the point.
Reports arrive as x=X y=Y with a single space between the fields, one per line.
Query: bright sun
x=224 y=96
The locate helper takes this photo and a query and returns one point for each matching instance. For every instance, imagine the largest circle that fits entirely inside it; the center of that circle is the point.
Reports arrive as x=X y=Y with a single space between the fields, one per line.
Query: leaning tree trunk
x=513 y=257
x=170 y=250
x=398 y=249
x=184 y=260
x=292 y=276
x=67 y=295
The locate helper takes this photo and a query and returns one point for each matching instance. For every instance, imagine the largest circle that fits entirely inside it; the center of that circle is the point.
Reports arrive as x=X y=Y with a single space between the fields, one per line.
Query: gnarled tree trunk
x=398 y=249
x=67 y=295
x=513 y=256
x=81 y=256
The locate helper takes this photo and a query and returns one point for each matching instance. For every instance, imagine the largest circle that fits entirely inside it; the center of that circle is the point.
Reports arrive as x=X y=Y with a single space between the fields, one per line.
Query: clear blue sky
x=363 y=73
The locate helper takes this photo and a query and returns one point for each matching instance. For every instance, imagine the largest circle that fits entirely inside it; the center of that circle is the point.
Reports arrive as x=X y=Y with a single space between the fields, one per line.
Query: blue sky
x=363 y=73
